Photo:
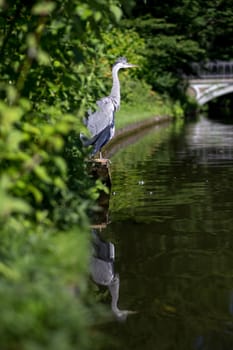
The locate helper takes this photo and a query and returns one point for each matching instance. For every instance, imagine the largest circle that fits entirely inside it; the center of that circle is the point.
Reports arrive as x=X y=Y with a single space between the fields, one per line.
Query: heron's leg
x=101 y=157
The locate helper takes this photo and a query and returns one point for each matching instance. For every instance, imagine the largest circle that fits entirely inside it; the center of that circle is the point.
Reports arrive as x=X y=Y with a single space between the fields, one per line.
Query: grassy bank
x=135 y=114
x=132 y=114
x=133 y=118
x=143 y=103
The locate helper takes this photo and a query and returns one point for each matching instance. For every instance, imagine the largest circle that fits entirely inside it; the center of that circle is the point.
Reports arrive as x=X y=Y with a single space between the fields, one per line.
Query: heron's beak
x=129 y=65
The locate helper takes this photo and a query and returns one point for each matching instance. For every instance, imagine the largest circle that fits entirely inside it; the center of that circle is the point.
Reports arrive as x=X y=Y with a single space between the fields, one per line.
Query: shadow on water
x=170 y=226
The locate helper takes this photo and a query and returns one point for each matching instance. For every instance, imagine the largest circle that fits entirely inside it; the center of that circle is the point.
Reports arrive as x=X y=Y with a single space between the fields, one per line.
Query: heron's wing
x=103 y=117
x=102 y=271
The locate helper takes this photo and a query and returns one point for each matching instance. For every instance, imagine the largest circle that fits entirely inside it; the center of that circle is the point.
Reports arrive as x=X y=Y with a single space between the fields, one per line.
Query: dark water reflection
x=171 y=224
x=103 y=272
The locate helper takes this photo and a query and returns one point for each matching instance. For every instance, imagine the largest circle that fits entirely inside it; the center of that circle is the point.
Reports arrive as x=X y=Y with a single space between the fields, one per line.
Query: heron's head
x=122 y=62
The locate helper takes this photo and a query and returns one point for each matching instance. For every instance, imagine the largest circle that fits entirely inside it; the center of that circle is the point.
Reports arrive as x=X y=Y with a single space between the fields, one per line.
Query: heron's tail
x=87 y=141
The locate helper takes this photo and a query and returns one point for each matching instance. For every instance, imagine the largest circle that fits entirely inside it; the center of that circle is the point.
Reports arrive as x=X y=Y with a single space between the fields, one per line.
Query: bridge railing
x=212 y=70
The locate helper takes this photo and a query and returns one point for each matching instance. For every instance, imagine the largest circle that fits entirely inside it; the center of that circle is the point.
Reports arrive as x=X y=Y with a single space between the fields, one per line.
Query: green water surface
x=171 y=222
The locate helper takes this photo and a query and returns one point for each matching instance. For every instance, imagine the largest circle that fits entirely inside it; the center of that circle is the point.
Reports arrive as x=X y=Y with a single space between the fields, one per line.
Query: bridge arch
x=210 y=80
x=205 y=91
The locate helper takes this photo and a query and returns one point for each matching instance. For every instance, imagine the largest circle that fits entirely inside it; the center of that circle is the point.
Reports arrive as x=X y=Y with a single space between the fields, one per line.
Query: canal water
x=170 y=232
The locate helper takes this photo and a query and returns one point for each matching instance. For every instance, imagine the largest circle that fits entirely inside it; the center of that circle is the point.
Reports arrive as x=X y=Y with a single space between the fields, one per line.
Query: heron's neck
x=115 y=92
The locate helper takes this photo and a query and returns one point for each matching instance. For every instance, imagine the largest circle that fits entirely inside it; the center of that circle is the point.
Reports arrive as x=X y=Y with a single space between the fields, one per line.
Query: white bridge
x=210 y=80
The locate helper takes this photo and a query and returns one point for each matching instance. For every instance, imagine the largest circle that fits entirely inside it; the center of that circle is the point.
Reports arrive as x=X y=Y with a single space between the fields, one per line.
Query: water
x=171 y=224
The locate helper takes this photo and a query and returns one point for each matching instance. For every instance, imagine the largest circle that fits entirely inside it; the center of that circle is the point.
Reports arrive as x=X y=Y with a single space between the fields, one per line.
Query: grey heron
x=102 y=272
x=101 y=124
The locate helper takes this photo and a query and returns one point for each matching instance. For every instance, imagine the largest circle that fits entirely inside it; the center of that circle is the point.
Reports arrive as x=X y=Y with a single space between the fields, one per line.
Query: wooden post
x=100 y=169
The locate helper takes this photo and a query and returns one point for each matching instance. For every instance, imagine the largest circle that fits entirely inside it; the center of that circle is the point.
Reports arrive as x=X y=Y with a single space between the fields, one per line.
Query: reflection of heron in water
x=101 y=123
x=102 y=271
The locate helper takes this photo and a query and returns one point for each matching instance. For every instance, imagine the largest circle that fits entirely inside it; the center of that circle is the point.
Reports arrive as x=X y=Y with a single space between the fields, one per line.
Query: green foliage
x=43 y=289
x=48 y=79
x=56 y=59
x=122 y=42
x=178 y=34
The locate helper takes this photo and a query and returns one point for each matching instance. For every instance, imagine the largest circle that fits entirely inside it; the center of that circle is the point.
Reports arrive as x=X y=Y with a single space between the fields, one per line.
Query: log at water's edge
x=133 y=130
x=100 y=169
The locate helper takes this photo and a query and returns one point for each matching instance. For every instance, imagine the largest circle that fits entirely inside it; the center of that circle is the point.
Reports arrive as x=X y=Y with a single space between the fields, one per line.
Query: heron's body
x=103 y=117
x=101 y=124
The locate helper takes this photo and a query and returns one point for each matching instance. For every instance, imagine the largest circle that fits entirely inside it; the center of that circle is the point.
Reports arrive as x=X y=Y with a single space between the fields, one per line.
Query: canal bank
x=132 y=132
